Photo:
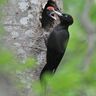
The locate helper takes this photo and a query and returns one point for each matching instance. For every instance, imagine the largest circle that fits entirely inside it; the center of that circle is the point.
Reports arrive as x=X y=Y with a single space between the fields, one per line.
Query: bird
x=46 y=20
x=57 y=43
x=52 y=3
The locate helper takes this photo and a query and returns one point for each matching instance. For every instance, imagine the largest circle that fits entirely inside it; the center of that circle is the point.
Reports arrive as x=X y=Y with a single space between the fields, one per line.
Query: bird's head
x=65 y=19
x=51 y=12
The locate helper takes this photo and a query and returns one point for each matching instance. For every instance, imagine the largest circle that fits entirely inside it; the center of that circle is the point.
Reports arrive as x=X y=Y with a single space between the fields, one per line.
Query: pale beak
x=55 y=12
x=58 y=13
x=51 y=15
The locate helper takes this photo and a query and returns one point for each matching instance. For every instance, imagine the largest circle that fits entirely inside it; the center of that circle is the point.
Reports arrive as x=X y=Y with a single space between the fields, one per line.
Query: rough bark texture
x=7 y=86
x=25 y=36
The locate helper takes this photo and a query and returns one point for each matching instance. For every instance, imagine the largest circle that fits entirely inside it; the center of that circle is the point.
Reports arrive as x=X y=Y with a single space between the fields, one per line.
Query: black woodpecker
x=47 y=21
x=57 y=43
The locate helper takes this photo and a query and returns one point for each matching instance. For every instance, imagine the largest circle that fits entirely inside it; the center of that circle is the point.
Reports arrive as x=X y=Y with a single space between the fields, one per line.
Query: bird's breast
x=57 y=39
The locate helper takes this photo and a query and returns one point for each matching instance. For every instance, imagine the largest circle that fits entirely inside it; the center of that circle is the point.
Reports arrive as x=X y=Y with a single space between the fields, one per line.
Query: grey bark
x=24 y=36
x=90 y=29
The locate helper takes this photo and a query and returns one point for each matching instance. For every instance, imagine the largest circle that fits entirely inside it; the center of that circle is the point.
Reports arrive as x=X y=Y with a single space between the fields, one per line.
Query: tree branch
x=90 y=29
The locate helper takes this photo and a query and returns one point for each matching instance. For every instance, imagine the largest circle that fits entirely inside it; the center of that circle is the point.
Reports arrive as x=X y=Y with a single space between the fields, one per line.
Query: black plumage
x=56 y=44
x=46 y=20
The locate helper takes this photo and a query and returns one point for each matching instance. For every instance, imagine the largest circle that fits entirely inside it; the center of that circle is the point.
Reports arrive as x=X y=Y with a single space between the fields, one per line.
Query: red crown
x=50 y=8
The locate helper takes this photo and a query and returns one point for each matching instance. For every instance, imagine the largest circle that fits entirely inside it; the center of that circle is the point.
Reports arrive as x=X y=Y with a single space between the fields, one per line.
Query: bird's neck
x=64 y=26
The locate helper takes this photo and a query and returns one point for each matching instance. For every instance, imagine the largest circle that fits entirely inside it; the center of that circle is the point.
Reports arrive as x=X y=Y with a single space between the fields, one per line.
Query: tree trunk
x=25 y=35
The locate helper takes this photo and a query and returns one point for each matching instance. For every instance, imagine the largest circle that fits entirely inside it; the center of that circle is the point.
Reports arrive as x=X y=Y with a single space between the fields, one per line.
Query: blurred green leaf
x=3 y=1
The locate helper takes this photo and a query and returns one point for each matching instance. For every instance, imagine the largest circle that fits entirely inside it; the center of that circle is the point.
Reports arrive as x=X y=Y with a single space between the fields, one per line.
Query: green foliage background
x=70 y=80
